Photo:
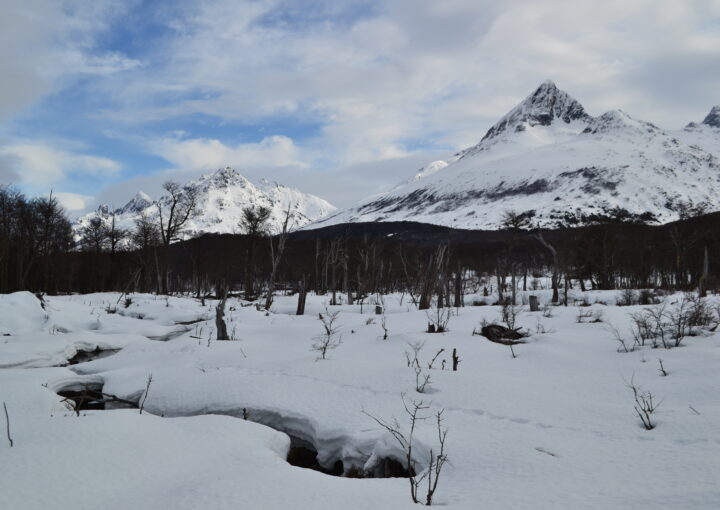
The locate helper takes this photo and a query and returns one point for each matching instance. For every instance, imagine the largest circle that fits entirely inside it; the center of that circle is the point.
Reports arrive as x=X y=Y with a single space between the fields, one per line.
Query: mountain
x=705 y=134
x=550 y=159
x=222 y=195
x=713 y=118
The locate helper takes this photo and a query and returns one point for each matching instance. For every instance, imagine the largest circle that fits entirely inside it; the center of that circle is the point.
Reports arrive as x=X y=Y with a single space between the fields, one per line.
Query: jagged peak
x=223 y=178
x=713 y=118
x=618 y=119
x=542 y=107
x=268 y=185
x=141 y=195
x=139 y=202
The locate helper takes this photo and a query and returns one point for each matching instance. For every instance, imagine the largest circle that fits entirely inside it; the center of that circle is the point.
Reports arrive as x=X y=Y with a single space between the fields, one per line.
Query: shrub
x=627 y=298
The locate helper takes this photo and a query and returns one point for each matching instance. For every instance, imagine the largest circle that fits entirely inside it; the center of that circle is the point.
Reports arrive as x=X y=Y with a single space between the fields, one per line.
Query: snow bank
x=21 y=312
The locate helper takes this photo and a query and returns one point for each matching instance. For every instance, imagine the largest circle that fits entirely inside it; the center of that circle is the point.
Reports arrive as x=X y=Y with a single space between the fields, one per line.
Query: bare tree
x=555 y=265
x=422 y=379
x=173 y=214
x=93 y=236
x=329 y=339
x=438 y=458
x=220 y=325
x=509 y=312
x=433 y=272
x=516 y=223
x=114 y=234
x=644 y=405
x=702 y=283
x=624 y=344
x=146 y=233
x=438 y=318
x=383 y=324
x=254 y=223
x=276 y=257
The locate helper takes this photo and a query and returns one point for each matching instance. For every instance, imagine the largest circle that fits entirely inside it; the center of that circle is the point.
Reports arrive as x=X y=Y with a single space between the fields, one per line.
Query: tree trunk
x=458 y=288
x=500 y=283
x=222 y=333
x=157 y=270
x=702 y=290
x=302 y=295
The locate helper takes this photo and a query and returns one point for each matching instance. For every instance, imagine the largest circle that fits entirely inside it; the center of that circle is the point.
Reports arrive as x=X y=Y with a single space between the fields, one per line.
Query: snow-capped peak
x=614 y=120
x=221 y=178
x=547 y=157
x=545 y=105
x=138 y=203
x=547 y=116
x=222 y=196
x=713 y=118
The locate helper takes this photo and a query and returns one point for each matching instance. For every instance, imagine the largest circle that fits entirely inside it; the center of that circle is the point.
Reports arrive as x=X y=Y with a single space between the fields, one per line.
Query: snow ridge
x=223 y=195
x=549 y=158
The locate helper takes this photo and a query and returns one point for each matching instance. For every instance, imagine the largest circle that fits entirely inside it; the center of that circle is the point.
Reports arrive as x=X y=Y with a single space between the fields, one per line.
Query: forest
x=40 y=252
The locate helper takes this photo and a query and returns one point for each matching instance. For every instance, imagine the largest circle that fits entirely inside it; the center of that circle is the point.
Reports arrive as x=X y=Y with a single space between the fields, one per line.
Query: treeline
x=37 y=253
x=33 y=233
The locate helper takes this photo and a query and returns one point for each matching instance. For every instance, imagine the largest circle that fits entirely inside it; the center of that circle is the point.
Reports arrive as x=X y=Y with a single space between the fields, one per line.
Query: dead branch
x=147 y=389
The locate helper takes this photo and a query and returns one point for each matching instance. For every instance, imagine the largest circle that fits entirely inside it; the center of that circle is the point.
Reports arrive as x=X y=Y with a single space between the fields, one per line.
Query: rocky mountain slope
x=222 y=195
x=550 y=159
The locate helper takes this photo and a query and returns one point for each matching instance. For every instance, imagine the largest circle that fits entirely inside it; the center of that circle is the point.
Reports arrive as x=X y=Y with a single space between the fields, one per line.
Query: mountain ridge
x=222 y=195
x=549 y=158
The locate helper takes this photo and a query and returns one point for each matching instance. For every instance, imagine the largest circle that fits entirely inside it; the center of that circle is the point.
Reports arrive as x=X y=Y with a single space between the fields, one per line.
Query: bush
x=648 y=297
x=627 y=298
x=438 y=319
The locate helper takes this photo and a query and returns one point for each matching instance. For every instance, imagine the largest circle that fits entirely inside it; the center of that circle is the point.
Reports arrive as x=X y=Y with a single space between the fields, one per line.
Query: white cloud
x=73 y=201
x=39 y=166
x=428 y=71
x=45 y=42
x=404 y=78
x=209 y=154
x=342 y=186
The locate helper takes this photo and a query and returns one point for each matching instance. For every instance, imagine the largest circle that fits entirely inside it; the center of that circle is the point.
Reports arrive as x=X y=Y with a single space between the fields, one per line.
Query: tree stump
x=534 y=304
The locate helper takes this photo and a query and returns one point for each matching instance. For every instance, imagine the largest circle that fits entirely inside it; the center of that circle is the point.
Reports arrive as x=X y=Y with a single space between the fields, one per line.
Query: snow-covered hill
x=222 y=195
x=548 y=157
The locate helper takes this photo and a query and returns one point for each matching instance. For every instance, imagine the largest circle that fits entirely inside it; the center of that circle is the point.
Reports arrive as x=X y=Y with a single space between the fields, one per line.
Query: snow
x=223 y=195
x=547 y=155
x=552 y=428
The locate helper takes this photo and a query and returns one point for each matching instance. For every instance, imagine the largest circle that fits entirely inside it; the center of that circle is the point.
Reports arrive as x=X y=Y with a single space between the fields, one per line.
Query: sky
x=341 y=98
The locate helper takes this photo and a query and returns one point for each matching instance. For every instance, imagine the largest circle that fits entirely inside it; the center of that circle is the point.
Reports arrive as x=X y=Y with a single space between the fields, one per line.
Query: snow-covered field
x=551 y=428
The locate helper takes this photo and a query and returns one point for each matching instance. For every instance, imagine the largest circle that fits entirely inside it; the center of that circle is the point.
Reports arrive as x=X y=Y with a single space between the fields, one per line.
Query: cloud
x=383 y=78
x=38 y=166
x=382 y=83
x=210 y=154
x=44 y=43
x=343 y=187
x=73 y=202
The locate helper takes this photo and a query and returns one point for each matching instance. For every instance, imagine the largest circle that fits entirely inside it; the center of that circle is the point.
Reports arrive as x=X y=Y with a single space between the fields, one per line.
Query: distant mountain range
x=222 y=195
x=547 y=158
x=550 y=159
